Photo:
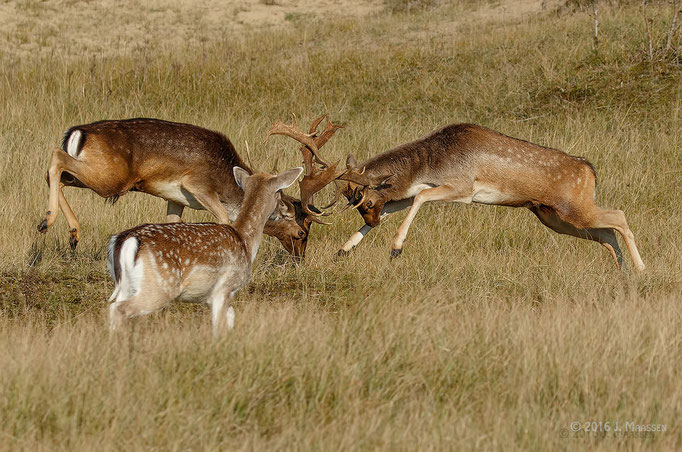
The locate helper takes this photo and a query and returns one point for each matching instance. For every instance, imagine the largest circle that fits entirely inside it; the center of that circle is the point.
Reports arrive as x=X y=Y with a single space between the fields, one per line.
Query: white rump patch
x=73 y=145
x=131 y=271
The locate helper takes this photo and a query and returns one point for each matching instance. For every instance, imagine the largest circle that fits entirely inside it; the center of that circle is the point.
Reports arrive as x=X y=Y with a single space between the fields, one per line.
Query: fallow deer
x=187 y=165
x=468 y=163
x=154 y=264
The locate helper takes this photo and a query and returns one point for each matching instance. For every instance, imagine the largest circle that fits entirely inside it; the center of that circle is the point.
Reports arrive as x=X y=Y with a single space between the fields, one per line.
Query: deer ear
x=288 y=177
x=350 y=161
x=240 y=176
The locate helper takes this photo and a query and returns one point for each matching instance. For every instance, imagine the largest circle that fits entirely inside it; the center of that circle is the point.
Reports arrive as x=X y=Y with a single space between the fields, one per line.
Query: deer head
x=364 y=192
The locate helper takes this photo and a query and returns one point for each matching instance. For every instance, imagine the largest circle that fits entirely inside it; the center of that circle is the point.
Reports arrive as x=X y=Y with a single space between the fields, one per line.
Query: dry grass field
x=489 y=332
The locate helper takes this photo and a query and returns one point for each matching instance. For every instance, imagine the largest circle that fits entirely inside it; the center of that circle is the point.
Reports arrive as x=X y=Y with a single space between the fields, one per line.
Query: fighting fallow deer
x=468 y=163
x=189 y=166
x=154 y=264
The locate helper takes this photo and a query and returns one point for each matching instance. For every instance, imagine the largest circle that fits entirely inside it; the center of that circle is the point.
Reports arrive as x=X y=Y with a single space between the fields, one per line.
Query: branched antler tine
x=313 y=126
x=357 y=203
x=308 y=161
x=311 y=184
x=346 y=207
x=337 y=196
x=318 y=221
x=327 y=133
x=279 y=128
x=292 y=131
x=357 y=178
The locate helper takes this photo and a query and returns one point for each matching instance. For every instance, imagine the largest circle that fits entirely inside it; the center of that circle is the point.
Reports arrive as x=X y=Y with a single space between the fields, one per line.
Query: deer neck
x=253 y=214
x=232 y=196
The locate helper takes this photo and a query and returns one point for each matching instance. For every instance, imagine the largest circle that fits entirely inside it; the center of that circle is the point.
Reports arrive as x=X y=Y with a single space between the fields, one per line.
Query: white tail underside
x=131 y=271
x=74 y=143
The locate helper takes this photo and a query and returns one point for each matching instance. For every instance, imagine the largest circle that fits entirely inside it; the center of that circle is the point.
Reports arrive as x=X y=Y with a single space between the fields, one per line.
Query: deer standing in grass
x=189 y=166
x=468 y=163
x=154 y=264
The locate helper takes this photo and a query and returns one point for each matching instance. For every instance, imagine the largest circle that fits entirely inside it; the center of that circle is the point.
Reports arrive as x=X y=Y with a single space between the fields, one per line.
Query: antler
x=314 y=179
x=307 y=139
x=351 y=175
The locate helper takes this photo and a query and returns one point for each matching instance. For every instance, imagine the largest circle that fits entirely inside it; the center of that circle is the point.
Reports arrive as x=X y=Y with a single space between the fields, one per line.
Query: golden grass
x=489 y=332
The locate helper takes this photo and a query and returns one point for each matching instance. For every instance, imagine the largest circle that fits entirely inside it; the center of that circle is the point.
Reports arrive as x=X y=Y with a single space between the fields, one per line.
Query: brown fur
x=145 y=155
x=194 y=262
x=470 y=163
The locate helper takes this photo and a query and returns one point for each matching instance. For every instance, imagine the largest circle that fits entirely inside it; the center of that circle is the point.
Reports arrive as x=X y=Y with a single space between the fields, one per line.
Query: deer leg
x=150 y=298
x=59 y=163
x=54 y=175
x=354 y=240
x=142 y=291
x=389 y=208
x=174 y=212
x=74 y=225
x=119 y=311
x=605 y=236
x=615 y=219
x=440 y=193
x=222 y=313
x=210 y=201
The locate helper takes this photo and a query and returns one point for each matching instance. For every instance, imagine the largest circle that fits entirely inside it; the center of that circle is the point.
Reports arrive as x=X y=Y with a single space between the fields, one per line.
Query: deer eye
x=369 y=204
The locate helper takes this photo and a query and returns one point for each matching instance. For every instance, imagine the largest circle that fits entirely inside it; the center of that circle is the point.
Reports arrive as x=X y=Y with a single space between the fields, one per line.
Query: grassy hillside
x=490 y=331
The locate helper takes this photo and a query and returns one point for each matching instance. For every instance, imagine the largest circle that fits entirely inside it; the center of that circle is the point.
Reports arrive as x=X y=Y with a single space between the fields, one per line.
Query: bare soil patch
x=120 y=27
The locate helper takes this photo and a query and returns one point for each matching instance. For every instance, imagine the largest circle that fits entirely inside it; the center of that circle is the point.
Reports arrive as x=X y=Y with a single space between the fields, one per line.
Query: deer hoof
x=343 y=253
x=42 y=227
x=396 y=253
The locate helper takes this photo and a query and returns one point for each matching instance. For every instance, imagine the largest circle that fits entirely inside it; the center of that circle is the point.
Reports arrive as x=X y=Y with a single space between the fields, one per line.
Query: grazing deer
x=154 y=264
x=187 y=165
x=468 y=163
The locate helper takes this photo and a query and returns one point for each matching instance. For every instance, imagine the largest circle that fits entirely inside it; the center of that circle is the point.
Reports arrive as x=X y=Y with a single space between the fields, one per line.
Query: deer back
x=471 y=154
x=144 y=154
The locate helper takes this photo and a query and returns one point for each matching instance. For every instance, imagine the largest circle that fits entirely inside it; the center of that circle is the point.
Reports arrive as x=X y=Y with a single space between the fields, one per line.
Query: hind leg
x=74 y=225
x=119 y=311
x=60 y=162
x=149 y=297
x=605 y=237
x=54 y=174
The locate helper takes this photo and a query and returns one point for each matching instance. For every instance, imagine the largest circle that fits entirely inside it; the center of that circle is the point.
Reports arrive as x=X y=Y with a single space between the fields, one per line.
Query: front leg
x=389 y=208
x=210 y=200
x=174 y=212
x=440 y=193
x=354 y=240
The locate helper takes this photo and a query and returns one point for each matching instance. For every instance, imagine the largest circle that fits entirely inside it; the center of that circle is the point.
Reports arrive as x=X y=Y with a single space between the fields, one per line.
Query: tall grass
x=489 y=331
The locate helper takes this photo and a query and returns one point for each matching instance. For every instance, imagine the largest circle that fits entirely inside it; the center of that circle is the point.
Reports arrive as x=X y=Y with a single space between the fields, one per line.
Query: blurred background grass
x=490 y=330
